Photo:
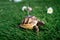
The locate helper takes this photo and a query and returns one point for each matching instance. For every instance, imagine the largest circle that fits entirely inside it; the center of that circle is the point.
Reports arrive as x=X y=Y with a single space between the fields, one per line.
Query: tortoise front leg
x=36 y=28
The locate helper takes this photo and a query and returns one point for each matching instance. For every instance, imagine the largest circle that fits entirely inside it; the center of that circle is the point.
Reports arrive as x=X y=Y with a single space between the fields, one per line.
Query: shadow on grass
x=27 y=31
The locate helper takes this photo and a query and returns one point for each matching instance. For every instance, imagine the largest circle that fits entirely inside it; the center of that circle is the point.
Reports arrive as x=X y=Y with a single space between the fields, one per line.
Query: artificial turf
x=11 y=14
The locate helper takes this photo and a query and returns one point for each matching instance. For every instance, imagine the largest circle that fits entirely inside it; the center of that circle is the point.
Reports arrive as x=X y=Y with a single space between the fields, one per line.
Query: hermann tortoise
x=31 y=22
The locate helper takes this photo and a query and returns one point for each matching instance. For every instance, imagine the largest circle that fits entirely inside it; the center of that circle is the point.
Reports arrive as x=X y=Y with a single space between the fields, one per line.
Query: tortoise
x=31 y=22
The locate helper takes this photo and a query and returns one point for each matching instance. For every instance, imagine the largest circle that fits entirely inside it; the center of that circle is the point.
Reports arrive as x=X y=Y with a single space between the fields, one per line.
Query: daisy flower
x=17 y=0
x=24 y=8
x=29 y=9
x=50 y=10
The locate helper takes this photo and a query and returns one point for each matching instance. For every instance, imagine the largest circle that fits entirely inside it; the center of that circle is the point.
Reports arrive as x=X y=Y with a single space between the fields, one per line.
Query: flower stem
x=28 y=13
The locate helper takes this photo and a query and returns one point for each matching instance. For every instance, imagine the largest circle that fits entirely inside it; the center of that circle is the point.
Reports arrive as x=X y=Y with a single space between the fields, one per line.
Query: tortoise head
x=40 y=23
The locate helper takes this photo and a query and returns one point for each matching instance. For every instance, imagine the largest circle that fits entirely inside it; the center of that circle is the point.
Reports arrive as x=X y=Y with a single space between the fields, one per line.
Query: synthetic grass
x=11 y=14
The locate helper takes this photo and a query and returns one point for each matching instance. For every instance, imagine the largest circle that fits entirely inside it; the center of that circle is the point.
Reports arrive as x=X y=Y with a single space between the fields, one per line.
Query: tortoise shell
x=29 y=22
